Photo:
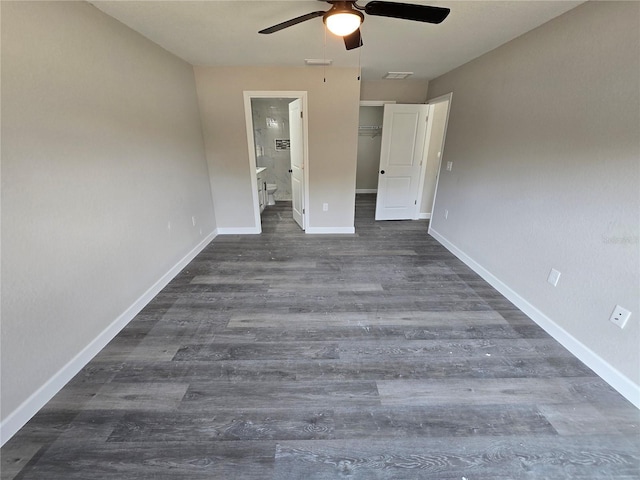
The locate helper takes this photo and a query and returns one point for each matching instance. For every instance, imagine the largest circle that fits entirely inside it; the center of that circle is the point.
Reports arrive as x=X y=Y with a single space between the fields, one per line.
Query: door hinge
x=301 y=116
x=303 y=212
x=415 y=202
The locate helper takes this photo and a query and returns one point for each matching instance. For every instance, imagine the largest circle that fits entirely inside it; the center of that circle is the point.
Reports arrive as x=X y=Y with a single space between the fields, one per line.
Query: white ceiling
x=224 y=33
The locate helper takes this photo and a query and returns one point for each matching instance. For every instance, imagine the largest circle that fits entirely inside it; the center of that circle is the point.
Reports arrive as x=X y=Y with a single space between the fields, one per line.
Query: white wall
x=543 y=136
x=333 y=127
x=101 y=148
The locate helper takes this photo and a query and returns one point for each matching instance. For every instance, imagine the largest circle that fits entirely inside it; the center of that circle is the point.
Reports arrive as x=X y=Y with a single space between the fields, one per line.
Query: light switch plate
x=554 y=277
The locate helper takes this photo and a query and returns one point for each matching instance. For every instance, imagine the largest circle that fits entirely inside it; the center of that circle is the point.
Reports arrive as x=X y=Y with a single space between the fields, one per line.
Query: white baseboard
x=330 y=230
x=424 y=216
x=366 y=190
x=21 y=415
x=601 y=367
x=238 y=231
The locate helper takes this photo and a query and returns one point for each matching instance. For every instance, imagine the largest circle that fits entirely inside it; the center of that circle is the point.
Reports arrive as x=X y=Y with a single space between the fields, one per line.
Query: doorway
x=412 y=145
x=274 y=141
x=369 y=138
x=436 y=134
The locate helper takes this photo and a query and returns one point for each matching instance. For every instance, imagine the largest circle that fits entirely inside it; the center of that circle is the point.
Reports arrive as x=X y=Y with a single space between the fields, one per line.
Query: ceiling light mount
x=318 y=61
x=342 y=19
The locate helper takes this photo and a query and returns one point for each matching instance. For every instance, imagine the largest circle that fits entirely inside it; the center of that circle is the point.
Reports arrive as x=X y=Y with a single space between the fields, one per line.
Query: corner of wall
x=20 y=416
x=600 y=366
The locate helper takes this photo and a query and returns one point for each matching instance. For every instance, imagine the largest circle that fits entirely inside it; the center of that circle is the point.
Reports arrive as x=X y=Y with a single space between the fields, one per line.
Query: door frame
x=442 y=98
x=293 y=94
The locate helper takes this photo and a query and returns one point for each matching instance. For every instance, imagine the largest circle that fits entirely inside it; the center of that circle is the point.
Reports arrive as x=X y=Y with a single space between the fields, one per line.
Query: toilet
x=271 y=189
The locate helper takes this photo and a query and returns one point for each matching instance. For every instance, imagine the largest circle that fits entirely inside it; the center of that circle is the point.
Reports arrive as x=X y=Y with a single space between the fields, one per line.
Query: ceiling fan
x=345 y=17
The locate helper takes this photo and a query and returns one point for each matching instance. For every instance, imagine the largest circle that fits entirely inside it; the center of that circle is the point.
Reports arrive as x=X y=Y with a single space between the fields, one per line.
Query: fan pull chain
x=324 y=57
x=359 y=63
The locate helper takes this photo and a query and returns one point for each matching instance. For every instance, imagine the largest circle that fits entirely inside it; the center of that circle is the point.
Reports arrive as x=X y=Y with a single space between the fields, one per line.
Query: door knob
x=382 y=172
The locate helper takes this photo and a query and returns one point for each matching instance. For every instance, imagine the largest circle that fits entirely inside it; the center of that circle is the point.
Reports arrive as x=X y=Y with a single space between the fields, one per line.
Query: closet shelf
x=372 y=130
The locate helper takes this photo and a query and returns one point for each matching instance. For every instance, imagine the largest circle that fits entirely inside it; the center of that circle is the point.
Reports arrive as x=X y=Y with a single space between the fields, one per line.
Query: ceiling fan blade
x=353 y=40
x=407 y=11
x=292 y=22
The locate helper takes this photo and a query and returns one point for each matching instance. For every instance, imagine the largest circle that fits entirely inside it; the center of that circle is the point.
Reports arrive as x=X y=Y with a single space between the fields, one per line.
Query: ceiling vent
x=397 y=75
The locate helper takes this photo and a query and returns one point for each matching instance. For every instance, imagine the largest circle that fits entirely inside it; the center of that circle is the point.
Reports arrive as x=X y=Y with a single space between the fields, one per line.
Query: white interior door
x=404 y=130
x=297 y=161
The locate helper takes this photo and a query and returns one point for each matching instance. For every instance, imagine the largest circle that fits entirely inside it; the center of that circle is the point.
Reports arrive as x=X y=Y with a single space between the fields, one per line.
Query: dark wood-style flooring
x=370 y=356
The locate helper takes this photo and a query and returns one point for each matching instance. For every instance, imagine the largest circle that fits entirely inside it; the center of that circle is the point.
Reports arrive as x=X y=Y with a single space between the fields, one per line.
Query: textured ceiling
x=224 y=33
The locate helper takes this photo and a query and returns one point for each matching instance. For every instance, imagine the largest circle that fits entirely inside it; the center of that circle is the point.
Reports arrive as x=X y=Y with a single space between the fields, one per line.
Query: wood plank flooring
x=377 y=355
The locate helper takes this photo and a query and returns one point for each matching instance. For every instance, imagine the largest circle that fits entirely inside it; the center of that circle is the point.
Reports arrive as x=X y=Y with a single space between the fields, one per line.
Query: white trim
x=375 y=103
x=424 y=216
x=248 y=118
x=601 y=367
x=443 y=98
x=423 y=162
x=330 y=230
x=21 y=415
x=366 y=190
x=239 y=231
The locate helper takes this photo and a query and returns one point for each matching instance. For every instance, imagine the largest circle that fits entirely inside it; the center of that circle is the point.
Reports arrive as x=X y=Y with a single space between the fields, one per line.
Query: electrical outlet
x=620 y=316
x=446 y=214
x=193 y=220
x=449 y=166
x=325 y=207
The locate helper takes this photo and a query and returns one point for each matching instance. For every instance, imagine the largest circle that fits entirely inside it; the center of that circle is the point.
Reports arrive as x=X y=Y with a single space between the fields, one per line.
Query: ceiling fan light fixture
x=343 y=23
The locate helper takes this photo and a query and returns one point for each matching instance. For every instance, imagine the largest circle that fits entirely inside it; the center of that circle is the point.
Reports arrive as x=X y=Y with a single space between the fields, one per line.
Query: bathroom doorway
x=271 y=142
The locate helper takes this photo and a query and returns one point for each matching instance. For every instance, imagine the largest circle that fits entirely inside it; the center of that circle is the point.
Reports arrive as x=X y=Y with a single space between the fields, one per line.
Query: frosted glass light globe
x=342 y=24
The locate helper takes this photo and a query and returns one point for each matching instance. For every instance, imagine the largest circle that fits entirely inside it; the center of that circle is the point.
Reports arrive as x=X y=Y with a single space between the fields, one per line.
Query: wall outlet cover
x=620 y=316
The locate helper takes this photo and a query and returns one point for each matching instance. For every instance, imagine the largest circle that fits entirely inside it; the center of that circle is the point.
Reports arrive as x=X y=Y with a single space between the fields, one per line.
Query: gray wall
x=543 y=136
x=402 y=91
x=101 y=149
x=333 y=124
